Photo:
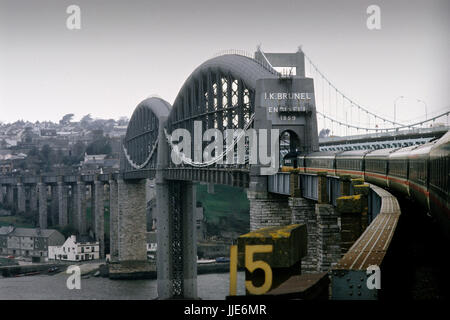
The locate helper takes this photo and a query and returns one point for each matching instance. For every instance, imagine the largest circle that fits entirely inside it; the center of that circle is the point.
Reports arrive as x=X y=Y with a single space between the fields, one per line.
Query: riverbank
x=128 y=271
x=43 y=268
x=139 y=270
x=44 y=287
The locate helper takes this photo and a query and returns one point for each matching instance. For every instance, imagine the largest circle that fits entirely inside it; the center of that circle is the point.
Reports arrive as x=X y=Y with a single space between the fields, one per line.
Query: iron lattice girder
x=240 y=74
x=211 y=111
x=176 y=234
x=233 y=177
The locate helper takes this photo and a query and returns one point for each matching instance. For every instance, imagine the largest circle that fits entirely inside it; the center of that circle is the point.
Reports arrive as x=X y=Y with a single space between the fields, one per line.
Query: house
x=98 y=161
x=48 y=133
x=4 y=239
x=75 y=249
x=152 y=243
x=94 y=158
x=28 y=242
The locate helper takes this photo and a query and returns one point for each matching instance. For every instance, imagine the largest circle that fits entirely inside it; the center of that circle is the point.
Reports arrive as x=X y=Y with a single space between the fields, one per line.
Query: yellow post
x=233 y=269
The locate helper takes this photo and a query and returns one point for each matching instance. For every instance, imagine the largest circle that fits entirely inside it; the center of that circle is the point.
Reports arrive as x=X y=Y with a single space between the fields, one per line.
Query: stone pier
x=10 y=196
x=328 y=233
x=267 y=210
x=303 y=212
x=132 y=233
x=54 y=206
x=62 y=204
x=42 y=190
x=113 y=221
x=21 y=199
x=33 y=199
x=91 y=223
x=80 y=207
x=328 y=237
x=132 y=224
x=99 y=213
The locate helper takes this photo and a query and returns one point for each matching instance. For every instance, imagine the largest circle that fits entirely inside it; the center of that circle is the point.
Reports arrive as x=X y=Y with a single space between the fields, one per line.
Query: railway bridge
x=229 y=109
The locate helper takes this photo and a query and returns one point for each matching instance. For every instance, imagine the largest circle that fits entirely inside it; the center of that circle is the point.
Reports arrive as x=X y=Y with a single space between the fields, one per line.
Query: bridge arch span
x=139 y=149
x=218 y=91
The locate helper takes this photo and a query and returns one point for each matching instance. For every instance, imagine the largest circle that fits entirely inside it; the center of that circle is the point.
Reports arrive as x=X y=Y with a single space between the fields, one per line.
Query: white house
x=74 y=249
x=151 y=242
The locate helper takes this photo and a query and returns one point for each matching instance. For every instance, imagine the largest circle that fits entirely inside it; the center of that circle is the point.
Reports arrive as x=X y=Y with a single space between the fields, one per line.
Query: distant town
x=67 y=145
x=88 y=146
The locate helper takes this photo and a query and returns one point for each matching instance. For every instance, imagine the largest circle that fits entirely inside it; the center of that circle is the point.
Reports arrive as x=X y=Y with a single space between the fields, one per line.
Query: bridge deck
x=350 y=274
x=237 y=177
x=372 y=246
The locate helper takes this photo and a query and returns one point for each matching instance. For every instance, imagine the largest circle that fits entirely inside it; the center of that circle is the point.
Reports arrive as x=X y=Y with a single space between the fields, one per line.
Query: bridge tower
x=285 y=103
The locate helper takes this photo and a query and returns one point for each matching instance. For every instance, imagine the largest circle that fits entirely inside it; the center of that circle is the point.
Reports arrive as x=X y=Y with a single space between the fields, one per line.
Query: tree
x=123 y=121
x=34 y=152
x=76 y=154
x=86 y=120
x=66 y=118
x=99 y=146
x=47 y=156
x=324 y=133
x=78 y=149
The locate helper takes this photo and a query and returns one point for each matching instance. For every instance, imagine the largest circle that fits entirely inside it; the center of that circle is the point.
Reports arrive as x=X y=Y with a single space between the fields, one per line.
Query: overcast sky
x=128 y=50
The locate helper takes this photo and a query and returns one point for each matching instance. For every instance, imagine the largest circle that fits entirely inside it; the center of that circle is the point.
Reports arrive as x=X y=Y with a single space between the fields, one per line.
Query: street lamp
x=426 y=115
x=395 y=105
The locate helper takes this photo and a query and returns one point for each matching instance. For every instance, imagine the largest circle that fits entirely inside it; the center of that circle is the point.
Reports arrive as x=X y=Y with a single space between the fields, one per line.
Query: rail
x=349 y=276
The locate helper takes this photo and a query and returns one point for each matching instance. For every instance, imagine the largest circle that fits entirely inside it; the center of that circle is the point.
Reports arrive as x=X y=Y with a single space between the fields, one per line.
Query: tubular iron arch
x=220 y=93
x=139 y=147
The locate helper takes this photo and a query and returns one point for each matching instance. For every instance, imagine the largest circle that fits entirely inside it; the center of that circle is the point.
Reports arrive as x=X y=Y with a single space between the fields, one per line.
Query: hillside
x=225 y=210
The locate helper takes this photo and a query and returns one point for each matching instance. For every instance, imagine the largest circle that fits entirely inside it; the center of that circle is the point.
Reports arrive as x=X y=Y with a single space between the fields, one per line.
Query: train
x=420 y=172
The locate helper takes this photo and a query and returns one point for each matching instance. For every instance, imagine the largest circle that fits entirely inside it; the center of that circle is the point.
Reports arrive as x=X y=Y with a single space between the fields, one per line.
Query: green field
x=227 y=209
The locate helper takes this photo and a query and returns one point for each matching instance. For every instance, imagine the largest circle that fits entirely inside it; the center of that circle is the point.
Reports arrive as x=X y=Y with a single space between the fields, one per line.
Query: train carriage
x=321 y=162
x=301 y=162
x=376 y=166
x=419 y=173
x=351 y=163
x=439 y=182
x=293 y=160
x=398 y=168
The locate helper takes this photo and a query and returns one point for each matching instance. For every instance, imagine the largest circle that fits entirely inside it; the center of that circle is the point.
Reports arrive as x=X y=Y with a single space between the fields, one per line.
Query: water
x=213 y=286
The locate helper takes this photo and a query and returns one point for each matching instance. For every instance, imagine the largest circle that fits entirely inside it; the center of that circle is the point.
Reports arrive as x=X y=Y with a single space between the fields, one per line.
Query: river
x=214 y=286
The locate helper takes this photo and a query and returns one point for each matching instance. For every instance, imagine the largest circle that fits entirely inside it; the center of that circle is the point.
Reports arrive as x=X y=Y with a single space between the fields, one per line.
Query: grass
x=228 y=208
